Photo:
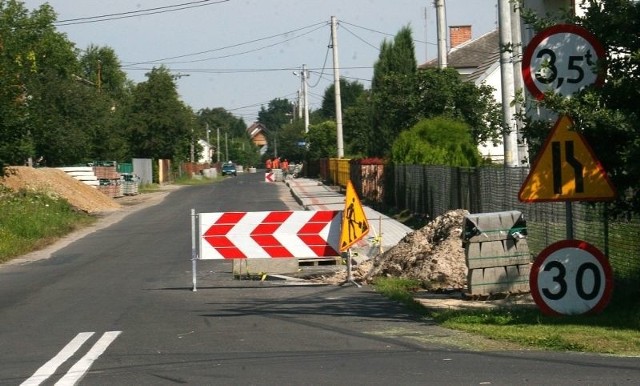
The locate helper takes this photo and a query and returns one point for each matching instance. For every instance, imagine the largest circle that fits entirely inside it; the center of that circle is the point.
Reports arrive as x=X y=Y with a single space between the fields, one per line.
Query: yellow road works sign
x=354 y=222
x=566 y=169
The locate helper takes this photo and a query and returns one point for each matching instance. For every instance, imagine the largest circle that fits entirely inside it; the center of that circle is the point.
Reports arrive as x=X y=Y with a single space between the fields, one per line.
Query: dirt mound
x=57 y=183
x=433 y=255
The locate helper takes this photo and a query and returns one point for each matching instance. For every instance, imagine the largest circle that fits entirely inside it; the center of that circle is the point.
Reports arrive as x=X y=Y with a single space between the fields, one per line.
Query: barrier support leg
x=350 y=271
x=194 y=252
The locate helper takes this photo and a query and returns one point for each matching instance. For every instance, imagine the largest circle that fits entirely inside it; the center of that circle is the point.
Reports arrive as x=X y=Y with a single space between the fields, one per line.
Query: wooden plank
x=498 y=253
x=494 y=280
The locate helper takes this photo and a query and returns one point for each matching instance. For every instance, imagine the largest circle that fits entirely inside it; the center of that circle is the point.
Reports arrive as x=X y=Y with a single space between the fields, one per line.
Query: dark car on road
x=229 y=169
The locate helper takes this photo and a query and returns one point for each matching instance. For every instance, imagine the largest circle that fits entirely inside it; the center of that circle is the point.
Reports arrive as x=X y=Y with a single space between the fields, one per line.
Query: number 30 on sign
x=562 y=59
x=571 y=277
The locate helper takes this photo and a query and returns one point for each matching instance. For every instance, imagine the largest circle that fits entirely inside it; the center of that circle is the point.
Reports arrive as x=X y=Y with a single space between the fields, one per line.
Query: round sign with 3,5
x=571 y=277
x=562 y=59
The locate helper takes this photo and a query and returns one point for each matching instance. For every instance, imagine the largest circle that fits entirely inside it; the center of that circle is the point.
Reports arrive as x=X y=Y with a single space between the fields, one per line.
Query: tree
x=608 y=117
x=392 y=81
x=437 y=141
x=357 y=124
x=349 y=92
x=292 y=141
x=32 y=53
x=100 y=67
x=322 y=140
x=277 y=114
x=160 y=126
x=444 y=93
x=219 y=120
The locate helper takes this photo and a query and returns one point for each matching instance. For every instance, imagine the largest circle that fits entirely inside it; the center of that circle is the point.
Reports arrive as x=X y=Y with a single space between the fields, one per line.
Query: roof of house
x=255 y=129
x=477 y=55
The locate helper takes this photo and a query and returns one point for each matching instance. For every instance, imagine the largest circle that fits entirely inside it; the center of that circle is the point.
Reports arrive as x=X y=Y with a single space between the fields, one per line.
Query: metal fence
x=430 y=191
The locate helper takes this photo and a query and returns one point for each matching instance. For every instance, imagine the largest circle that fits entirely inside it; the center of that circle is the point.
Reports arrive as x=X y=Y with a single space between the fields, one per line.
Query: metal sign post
x=349 y=279
x=194 y=251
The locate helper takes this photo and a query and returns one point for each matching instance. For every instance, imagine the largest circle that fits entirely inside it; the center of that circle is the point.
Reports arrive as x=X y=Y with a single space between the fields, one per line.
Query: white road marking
x=77 y=371
x=50 y=367
x=80 y=368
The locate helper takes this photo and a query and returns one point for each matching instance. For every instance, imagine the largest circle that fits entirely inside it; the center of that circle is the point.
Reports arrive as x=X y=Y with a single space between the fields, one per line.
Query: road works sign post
x=571 y=277
x=354 y=226
x=562 y=59
x=566 y=169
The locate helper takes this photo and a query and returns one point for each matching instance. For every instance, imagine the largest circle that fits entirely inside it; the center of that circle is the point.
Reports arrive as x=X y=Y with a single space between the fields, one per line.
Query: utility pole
x=336 y=82
x=441 y=21
x=218 y=144
x=506 y=73
x=99 y=80
x=226 y=147
x=208 y=145
x=518 y=83
x=305 y=95
x=426 y=35
x=192 y=147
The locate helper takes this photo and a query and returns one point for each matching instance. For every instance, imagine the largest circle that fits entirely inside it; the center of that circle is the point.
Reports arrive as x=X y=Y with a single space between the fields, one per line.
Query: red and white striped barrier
x=279 y=234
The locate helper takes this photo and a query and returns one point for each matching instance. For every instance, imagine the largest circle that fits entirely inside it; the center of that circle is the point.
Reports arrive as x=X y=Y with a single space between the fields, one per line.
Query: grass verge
x=32 y=220
x=615 y=331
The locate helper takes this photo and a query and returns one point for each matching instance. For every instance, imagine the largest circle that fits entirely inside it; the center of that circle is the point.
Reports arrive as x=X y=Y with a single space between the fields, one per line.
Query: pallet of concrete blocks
x=496 y=253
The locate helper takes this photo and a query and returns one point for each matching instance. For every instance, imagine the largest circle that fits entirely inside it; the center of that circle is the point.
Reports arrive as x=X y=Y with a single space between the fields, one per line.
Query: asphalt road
x=116 y=308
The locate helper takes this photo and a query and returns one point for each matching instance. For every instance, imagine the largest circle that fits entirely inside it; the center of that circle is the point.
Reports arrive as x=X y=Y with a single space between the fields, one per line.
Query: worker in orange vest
x=268 y=164
x=276 y=163
x=285 y=166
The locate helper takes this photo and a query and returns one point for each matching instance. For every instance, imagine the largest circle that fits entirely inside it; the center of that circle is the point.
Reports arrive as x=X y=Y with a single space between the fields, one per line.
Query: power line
x=324 y=65
x=361 y=39
x=141 y=12
x=261 y=103
x=383 y=33
x=243 y=70
x=235 y=45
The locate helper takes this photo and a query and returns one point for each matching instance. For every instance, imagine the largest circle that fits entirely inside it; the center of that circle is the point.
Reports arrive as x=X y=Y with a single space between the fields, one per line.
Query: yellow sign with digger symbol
x=354 y=222
x=566 y=170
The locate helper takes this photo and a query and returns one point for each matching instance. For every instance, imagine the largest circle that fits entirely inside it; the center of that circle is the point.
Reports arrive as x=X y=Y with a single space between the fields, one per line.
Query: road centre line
x=79 y=369
x=52 y=365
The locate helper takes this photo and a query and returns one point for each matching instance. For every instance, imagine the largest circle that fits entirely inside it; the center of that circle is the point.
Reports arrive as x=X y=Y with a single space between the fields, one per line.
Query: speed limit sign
x=571 y=277
x=562 y=59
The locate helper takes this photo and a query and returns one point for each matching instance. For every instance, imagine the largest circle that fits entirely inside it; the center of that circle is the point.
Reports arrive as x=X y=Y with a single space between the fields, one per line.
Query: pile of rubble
x=434 y=255
x=57 y=183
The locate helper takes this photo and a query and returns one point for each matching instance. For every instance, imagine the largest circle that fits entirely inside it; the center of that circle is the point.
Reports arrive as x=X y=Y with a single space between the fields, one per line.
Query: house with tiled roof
x=478 y=61
x=258 y=135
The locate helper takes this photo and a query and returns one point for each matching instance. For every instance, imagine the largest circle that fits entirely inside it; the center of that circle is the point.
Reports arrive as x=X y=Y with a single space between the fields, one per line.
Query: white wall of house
x=493 y=151
x=205 y=155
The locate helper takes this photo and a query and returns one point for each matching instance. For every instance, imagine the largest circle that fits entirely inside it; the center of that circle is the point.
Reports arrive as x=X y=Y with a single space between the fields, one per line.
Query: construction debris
x=433 y=255
x=58 y=184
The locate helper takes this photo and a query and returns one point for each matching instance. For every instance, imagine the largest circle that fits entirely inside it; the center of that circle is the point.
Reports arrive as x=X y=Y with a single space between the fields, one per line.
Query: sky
x=241 y=54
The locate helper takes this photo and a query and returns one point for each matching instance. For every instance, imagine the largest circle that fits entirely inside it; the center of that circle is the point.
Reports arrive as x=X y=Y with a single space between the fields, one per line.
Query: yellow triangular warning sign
x=566 y=169
x=354 y=222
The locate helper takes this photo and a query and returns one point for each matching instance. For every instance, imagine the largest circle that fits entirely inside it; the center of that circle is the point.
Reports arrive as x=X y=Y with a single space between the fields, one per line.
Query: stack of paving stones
x=110 y=182
x=496 y=253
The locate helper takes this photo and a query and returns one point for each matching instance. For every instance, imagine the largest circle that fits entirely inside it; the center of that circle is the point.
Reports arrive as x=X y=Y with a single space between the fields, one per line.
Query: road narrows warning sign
x=566 y=169
x=354 y=221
